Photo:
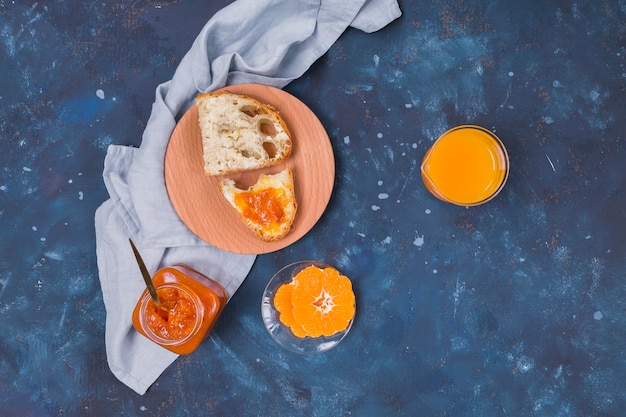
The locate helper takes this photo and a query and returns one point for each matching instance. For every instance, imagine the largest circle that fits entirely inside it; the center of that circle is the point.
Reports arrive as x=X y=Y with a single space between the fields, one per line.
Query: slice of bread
x=240 y=133
x=268 y=207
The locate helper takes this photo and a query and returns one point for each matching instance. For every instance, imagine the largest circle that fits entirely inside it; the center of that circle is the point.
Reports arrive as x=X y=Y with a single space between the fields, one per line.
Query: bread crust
x=234 y=137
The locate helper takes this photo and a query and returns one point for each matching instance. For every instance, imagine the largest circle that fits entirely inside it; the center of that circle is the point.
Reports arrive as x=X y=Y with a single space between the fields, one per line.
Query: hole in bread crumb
x=270 y=148
x=267 y=128
x=246 y=153
x=249 y=110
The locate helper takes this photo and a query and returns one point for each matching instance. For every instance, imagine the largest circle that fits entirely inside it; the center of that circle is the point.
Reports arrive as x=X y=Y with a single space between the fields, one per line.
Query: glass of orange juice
x=467 y=165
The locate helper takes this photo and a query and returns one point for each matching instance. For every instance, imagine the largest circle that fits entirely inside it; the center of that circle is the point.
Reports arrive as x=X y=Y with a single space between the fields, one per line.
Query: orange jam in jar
x=467 y=166
x=193 y=303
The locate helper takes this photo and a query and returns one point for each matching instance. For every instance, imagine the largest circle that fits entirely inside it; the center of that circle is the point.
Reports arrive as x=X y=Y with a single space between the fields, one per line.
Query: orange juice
x=468 y=165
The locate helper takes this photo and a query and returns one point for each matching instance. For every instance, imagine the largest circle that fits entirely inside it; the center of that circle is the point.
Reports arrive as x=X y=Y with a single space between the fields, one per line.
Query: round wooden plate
x=200 y=204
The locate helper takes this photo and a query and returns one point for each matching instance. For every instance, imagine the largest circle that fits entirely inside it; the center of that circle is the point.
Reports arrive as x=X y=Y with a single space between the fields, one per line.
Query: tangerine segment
x=323 y=301
x=283 y=304
x=298 y=331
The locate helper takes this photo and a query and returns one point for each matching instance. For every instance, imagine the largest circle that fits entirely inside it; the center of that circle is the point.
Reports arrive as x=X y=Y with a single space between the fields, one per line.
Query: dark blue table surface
x=513 y=308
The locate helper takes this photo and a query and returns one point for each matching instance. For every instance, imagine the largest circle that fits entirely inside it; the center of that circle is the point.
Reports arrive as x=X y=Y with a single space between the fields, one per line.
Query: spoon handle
x=145 y=274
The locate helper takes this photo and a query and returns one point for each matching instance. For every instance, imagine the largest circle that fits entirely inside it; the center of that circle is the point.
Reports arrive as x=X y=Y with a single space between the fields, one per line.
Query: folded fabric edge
x=373 y=16
x=150 y=374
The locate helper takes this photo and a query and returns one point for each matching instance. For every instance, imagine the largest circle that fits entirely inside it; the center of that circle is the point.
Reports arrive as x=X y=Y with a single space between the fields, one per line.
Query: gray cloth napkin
x=268 y=42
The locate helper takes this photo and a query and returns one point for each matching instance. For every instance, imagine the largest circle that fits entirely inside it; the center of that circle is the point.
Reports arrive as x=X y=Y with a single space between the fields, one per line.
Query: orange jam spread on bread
x=193 y=303
x=264 y=207
x=268 y=207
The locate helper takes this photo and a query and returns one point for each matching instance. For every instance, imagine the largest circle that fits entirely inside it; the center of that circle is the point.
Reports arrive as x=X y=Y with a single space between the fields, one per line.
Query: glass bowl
x=281 y=333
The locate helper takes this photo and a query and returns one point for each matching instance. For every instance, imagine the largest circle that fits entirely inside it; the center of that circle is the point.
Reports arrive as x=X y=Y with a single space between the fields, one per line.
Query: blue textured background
x=514 y=308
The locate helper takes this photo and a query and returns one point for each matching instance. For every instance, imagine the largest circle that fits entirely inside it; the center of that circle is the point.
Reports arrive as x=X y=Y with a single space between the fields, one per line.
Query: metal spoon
x=147 y=278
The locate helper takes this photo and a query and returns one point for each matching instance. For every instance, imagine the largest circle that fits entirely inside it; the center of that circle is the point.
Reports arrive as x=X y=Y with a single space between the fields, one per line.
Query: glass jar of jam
x=192 y=302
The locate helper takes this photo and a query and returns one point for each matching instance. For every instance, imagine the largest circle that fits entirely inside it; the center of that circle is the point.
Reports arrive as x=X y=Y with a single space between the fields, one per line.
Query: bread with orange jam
x=268 y=207
x=240 y=133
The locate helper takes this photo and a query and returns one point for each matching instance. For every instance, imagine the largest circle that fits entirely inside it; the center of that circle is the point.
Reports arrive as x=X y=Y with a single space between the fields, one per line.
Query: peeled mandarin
x=323 y=301
x=317 y=302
